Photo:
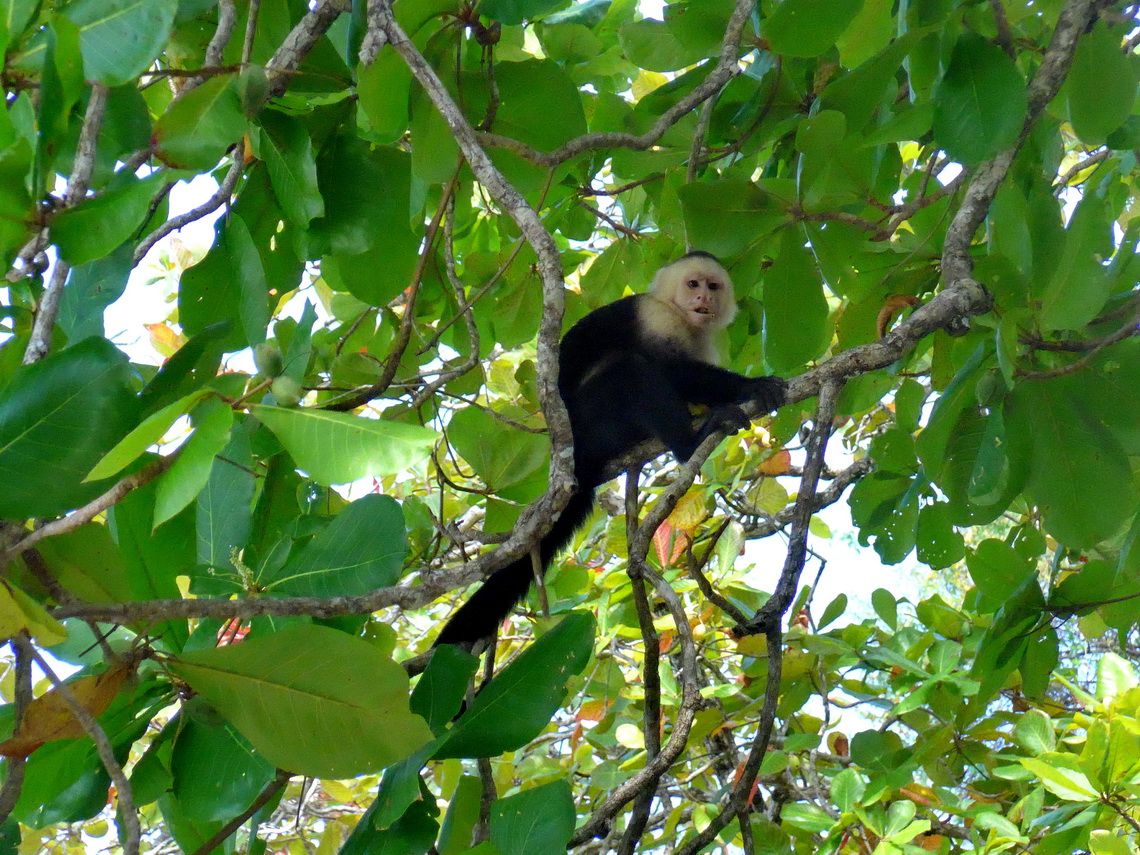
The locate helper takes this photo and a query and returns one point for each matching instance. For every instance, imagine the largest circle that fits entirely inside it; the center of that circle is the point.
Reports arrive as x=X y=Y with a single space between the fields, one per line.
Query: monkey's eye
x=693 y=283
x=713 y=286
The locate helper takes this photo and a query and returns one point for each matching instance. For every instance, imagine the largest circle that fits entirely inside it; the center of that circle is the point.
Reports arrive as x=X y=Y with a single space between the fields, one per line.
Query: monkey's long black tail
x=489 y=606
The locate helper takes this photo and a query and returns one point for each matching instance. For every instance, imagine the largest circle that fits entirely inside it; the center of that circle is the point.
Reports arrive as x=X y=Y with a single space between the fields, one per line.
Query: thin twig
x=222 y=195
x=88 y=512
x=274 y=787
x=84 y=165
x=15 y=766
x=129 y=834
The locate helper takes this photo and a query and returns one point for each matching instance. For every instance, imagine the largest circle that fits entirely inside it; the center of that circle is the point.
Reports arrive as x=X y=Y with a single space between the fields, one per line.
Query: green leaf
x=183 y=481
x=334 y=448
x=520 y=701
x=980 y=104
x=462 y=815
x=868 y=33
x=997 y=569
x=1067 y=784
x=502 y=457
x=298 y=693
x=91 y=288
x=228 y=286
x=57 y=418
x=1114 y=677
x=541 y=104
x=98 y=225
x=224 y=510
x=87 y=563
x=885 y=606
x=1105 y=842
x=847 y=789
x=384 y=88
x=517 y=11
x=283 y=143
x=833 y=611
x=198 y=128
x=1073 y=457
x=1034 y=732
x=1101 y=84
x=439 y=694
x=726 y=217
x=808 y=27
x=132 y=446
x=796 y=328
x=120 y=38
x=938 y=543
x=538 y=821
x=1079 y=286
x=16 y=210
x=216 y=774
x=362 y=549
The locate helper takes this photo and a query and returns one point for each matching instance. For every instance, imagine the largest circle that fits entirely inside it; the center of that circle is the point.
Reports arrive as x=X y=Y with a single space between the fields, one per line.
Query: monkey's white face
x=701 y=289
x=700 y=300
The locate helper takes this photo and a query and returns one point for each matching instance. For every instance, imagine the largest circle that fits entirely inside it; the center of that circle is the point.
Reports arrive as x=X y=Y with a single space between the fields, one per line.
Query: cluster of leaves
x=402 y=189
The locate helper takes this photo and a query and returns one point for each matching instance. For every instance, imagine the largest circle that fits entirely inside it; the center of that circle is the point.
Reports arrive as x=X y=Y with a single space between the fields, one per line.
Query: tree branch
x=40 y=342
x=727 y=67
x=129 y=834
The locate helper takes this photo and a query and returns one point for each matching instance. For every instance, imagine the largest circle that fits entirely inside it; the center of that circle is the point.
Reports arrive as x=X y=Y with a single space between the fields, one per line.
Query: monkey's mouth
x=701 y=310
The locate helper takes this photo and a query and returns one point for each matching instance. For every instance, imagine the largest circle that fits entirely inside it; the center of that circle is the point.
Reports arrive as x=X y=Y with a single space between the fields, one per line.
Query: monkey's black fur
x=621 y=386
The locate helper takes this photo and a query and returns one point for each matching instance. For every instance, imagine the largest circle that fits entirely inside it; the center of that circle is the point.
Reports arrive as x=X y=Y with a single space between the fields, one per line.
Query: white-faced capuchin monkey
x=628 y=372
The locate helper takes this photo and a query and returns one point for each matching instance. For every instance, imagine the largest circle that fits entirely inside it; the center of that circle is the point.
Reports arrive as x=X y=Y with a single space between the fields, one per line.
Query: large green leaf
x=726 y=217
x=1074 y=457
x=98 y=225
x=311 y=700
x=362 y=549
x=517 y=11
x=1101 y=85
x=367 y=221
x=224 y=507
x=182 y=483
x=384 y=88
x=519 y=702
x=216 y=774
x=538 y=821
x=88 y=564
x=90 y=289
x=334 y=448
x=980 y=103
x=796 y=327
x=120 y=38
x=228 y=286
x=197 y=129
x=57 y=418
x=502 y=457
x=16 y=210
x=283 y=143
x=808 y=27
x=1080 y=285
x=132 y=446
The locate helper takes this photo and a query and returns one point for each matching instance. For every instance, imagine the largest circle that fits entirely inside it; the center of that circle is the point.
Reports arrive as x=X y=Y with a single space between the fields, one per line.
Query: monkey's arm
x=699 y=383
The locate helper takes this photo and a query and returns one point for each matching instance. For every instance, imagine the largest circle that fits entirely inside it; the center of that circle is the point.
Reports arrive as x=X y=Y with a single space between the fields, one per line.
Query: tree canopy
x=237 y=529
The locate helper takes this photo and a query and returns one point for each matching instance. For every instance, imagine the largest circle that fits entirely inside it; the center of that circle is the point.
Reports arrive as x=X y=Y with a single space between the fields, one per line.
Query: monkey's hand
x=727 y=417
x=769 y=393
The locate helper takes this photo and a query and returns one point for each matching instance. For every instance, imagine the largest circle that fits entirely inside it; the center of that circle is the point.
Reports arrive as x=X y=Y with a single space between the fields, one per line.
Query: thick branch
x=300 y=41
x=536 y=517
x=956 y=264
